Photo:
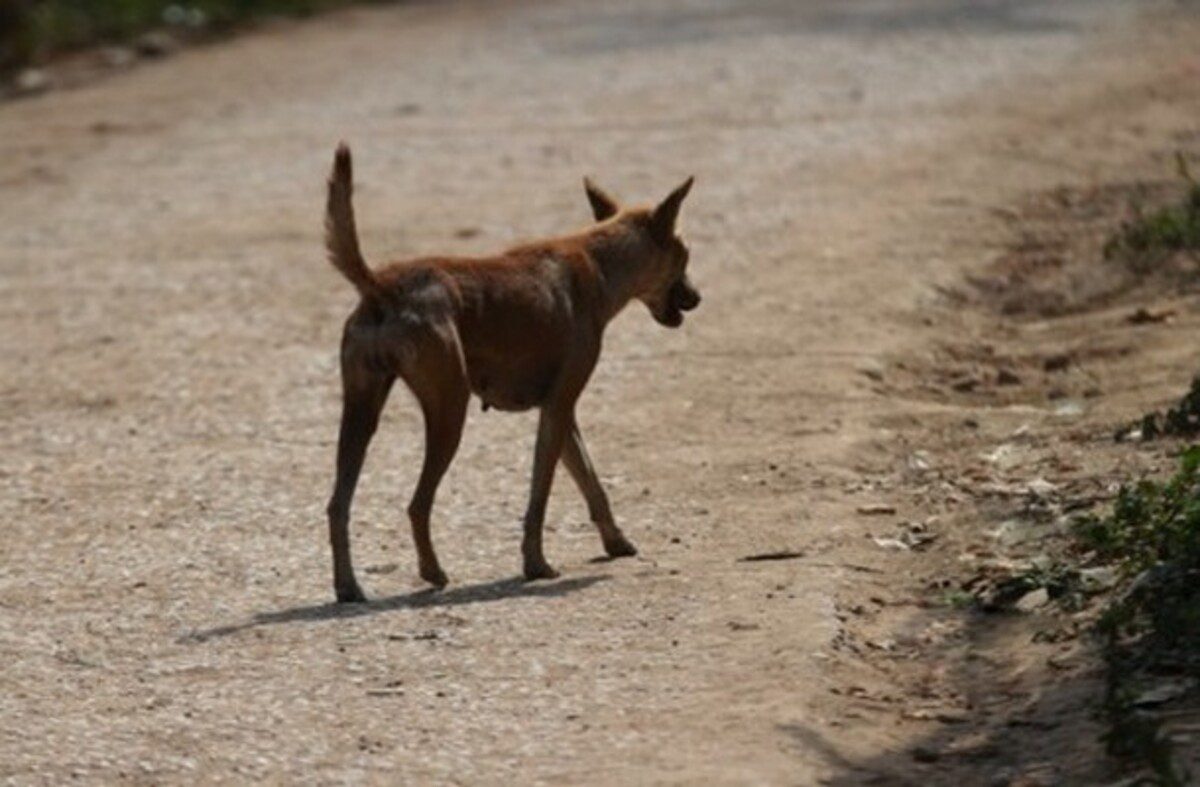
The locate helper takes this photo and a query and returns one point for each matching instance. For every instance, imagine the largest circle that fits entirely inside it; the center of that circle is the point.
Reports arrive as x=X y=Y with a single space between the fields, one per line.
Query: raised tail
x=341 y=235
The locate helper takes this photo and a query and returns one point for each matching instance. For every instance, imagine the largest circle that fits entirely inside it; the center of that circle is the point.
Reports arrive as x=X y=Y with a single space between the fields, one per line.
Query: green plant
x=957 y=599
x=1152 y=536
x=1152 y=523
x=1152 y=235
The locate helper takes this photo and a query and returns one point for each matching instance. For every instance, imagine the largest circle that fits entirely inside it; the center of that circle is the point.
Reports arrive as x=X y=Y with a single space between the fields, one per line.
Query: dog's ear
x=603 y=206
x=662 y=221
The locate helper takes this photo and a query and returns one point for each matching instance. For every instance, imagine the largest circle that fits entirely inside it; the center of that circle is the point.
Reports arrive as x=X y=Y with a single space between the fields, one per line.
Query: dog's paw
x=539 y=570
x=435 y=576
x=350 y=594
x=620 y=547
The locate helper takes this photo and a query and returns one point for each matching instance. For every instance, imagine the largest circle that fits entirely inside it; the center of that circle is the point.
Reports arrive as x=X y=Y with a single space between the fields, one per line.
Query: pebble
x=1033 y=600
x=1068 y=409
x=1056 y=363
x=31 y=81
x=156 y=44
x=871 y=369
x=117 y=56
x=1007 y=377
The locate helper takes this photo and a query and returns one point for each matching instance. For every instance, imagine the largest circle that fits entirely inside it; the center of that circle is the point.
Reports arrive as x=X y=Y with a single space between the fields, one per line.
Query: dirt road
x=169 y=396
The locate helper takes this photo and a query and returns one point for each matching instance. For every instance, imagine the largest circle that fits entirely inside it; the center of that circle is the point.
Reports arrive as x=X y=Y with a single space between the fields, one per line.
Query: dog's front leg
x=579 y=465
x=553 y=427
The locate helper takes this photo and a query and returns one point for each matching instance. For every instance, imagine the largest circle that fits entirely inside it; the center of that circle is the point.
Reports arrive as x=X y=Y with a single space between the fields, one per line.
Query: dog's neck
x=620 y=257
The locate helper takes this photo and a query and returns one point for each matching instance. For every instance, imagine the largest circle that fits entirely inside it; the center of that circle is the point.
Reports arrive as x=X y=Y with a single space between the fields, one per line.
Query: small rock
x=1004 y=456
x=1007 y=377
x=31 y=81
x=1040 y=487
x=1011 y=532
x=871 y=369
x=918 y=540
x=1144 y=316
x=1056 y=363
x=1162 y=693
x=156 y=43
x=1033 y=600
x=945 y=716
x=117 y=56
x=1097 y=579
x=1068 y=409
x=918 y=461
x=386 y=568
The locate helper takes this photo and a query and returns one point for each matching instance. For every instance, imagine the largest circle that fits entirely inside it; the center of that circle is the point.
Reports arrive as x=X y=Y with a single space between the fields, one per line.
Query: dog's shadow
x=497 y=590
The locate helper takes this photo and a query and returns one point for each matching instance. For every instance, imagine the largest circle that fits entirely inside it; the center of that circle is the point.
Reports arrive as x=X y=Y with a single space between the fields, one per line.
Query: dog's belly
x=511 y=389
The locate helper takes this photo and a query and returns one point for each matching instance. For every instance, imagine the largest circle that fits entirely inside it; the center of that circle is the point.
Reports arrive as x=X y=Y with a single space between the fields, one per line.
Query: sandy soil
x=168 y=383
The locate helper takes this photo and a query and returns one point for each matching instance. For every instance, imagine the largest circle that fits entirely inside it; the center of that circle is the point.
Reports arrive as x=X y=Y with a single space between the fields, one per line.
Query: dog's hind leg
x=363 y=397
x=579 y=465
x=441 y=387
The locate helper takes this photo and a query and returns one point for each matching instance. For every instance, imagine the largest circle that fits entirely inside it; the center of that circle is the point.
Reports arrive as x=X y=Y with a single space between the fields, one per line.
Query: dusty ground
x=169 y=394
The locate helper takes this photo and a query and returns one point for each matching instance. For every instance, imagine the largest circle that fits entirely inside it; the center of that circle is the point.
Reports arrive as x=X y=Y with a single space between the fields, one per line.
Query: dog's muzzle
x=682 y=297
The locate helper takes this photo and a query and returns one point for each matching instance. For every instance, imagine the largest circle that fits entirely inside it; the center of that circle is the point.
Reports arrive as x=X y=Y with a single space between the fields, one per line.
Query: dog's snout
x=684 y=296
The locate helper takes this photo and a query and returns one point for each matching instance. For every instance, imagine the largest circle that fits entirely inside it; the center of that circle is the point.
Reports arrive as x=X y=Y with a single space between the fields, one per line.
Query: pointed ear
x=603 y=206
x=662 y=221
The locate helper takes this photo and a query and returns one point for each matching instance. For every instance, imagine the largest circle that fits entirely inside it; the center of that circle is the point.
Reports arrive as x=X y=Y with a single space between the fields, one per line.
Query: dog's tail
x=341 y=235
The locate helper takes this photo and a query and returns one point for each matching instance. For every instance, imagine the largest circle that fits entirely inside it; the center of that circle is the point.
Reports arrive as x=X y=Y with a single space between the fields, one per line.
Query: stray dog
x=518 y=330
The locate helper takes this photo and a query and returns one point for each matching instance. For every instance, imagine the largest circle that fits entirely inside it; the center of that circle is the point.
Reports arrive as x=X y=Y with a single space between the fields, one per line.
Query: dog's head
x=662 y=282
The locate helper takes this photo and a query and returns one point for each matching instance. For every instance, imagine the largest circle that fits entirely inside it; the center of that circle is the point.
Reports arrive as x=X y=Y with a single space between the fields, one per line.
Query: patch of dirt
x=1056 y=263
x=1057 y=350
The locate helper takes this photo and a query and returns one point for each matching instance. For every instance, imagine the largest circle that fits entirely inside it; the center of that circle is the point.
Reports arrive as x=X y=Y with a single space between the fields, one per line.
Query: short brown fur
x=520 y=330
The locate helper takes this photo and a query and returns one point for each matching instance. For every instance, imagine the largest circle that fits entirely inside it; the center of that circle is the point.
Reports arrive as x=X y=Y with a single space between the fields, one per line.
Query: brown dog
x=519 y=330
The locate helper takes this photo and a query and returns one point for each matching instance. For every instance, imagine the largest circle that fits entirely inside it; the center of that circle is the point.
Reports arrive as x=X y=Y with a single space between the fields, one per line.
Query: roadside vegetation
x=1151 y=629
x=1130 y=571
x=1180 y=420
x=1150 y=237
x=32 y=30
